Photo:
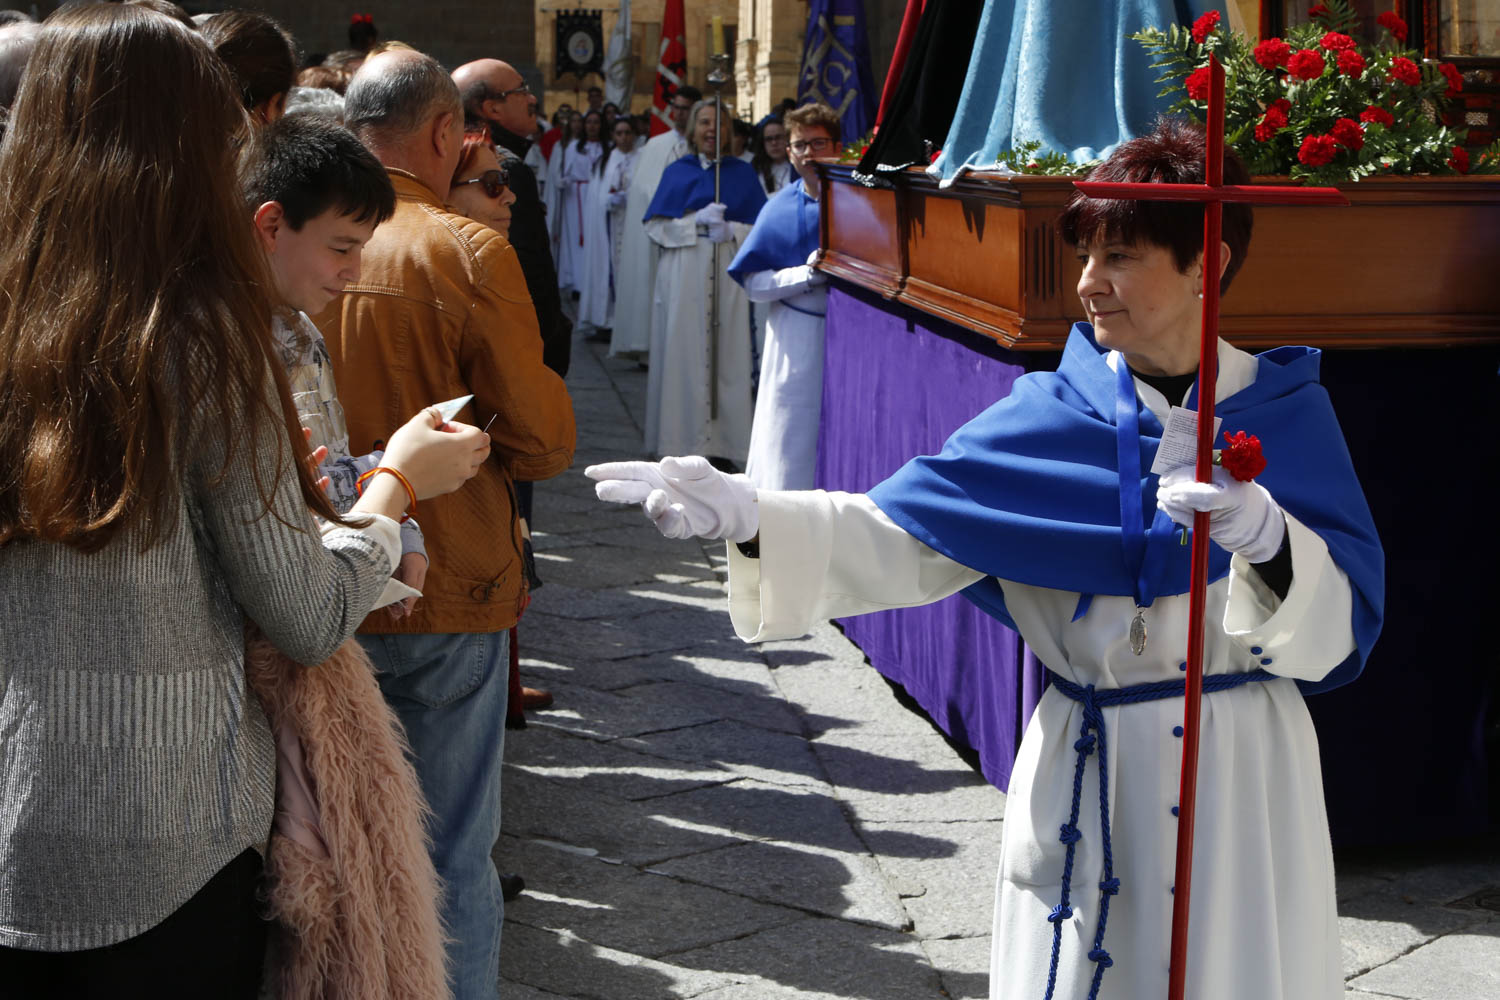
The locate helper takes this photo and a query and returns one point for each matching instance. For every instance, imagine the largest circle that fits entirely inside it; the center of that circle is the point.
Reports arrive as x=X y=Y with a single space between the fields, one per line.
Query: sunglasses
x=492 y=182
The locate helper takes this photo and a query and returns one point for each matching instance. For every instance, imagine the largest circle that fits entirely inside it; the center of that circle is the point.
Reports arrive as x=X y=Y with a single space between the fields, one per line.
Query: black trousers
x=211 y=946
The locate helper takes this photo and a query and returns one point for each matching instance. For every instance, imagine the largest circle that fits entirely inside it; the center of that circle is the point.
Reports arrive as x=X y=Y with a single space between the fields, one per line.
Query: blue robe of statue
x=1064 y=73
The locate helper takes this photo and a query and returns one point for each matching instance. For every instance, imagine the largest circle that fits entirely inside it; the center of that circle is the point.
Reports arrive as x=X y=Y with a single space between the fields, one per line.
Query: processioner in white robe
x=602 y=235
x=1264 y=922
x=577 y=177
x=635 y=280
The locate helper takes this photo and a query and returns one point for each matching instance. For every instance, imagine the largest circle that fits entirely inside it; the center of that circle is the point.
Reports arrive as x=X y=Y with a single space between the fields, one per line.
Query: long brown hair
x=134 y=304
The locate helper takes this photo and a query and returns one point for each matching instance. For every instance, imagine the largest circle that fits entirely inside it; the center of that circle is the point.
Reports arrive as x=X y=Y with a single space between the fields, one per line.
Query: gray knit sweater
x=134 y=764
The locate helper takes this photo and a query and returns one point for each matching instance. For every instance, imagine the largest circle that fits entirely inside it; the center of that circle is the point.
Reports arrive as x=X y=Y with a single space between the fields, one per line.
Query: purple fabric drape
x=896 y=383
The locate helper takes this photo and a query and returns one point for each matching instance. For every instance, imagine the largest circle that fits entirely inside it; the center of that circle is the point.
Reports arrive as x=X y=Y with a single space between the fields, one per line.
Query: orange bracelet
x=359 y=487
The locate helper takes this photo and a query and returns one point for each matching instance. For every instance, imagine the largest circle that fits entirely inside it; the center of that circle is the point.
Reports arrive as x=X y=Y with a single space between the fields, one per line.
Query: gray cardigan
x=134 y=763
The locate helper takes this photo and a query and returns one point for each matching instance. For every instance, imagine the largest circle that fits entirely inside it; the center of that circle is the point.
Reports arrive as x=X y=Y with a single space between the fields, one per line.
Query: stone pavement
x=701 y=818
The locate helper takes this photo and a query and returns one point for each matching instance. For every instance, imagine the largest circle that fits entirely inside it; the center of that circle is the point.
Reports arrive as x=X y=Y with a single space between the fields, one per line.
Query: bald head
x=404 y=107
x=395 y=94
x=494 y=93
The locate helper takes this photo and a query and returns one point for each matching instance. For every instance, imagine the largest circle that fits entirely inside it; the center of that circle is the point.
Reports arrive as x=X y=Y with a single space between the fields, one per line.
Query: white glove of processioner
x=712 y=216
x=1243 y=518
x=686 y=497
x=814 y=276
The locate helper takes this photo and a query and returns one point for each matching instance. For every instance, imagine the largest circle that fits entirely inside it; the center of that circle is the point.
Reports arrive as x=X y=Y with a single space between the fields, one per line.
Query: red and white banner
x=671 y=65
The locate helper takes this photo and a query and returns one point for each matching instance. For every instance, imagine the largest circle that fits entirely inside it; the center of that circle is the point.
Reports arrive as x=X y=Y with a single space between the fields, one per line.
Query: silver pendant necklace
x=1138 y=631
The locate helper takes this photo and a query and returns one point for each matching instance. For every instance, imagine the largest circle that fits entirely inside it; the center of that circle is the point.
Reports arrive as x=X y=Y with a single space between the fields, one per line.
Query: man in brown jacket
x=441 y=310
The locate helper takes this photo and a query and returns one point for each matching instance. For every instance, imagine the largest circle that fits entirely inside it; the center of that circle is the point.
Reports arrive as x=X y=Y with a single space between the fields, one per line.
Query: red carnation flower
x=1459 y=160
x=1317 y=150
x=1335 y=42
x=1346 y=132
x=1351 y=63
x=1273 y=121
x=1242 y=459
x=1375 y=113
x=1455 y=79
x=1264 y=132
x=1318 y=10
x=1204 y=26
x=1306 y=65
x=1272 y=52
x=1283 y=105
x=1198 y=83
x=1391 y=21
x=1405 y=71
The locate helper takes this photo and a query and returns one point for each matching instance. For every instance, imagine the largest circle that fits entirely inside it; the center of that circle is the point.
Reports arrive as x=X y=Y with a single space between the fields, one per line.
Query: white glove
x=686 y=497
x=711 y=216
x=814 y=276
x=1243 y=518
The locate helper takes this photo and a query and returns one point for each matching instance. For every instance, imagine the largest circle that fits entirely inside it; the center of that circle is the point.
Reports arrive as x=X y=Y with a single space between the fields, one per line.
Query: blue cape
x=1029 y=490
x=785 y=235
x=687 y=186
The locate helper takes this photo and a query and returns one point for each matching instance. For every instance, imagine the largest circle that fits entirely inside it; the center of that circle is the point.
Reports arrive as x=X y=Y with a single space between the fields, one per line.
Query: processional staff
x=1213 y=194
x=718 y=77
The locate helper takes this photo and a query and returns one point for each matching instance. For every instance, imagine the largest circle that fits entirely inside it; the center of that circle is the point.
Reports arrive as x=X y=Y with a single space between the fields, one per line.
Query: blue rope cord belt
x=1092 y=734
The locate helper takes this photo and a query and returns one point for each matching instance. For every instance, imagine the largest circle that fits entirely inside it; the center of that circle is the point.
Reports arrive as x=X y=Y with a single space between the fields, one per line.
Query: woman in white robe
x=604 y=227
x=1297 y=601
x=577 y=174
x=698 y=394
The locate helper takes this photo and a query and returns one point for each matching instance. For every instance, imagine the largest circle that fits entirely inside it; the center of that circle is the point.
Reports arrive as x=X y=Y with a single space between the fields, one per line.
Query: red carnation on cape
x=1272 y=52
x=1317 y=150
x=1198 y=83
x=1405 y=71
x=1454 y=77
x=1204 y=26
x=1375 y=113
x=1242 y=459
x=1335 y=42
x=1307 y=64
x=1351 y=63
x=1459 y=160
x=1391 y=21
x=1346 y=132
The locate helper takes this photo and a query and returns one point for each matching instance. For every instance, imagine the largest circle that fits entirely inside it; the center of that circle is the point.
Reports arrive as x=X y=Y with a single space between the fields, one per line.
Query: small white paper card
x=449 y=408
x=1179 y=440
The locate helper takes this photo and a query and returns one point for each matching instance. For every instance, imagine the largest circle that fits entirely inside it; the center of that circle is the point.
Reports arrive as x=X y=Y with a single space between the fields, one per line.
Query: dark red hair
x=474 y=140
x=1171 y=154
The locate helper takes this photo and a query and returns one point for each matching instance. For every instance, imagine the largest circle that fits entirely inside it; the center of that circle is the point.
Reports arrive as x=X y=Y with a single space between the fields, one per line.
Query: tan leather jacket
x=441 y=310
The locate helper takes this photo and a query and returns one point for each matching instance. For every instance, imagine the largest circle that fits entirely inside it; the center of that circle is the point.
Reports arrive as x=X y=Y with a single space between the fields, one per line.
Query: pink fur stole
x=350 y=884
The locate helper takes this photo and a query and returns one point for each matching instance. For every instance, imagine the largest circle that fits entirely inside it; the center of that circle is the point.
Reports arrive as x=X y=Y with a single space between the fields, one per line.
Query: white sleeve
x=829 y=555
x=772 y=286
x=386 y=533
x=673 y=233
x=1310 y=631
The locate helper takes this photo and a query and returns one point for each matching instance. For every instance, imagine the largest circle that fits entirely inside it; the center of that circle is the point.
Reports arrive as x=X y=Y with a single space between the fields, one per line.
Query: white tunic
x=784 y=435
x=781 y=176
x=603 y=220
x=635 y=281
x=678 y=419
x=577 y=175
x=1264 y=924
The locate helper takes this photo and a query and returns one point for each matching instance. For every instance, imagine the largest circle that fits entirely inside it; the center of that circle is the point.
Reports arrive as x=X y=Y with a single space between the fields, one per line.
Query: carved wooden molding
x=1411 y=262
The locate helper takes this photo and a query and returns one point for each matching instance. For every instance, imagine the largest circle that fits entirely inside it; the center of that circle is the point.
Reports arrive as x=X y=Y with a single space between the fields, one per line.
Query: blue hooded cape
x=687 y=186
x=785 y=234
x=1029 y=490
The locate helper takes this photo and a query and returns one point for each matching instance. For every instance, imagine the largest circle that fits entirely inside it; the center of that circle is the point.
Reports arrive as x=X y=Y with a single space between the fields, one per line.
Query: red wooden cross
x=1213 y=194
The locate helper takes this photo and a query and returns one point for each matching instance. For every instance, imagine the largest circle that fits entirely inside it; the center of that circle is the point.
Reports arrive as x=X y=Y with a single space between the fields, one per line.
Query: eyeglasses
x=802 y=146
x=500 y=95
x=492 y=182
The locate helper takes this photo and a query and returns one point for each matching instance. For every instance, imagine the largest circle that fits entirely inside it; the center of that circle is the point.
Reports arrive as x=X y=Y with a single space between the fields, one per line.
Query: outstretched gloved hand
x=1243 y=518
x=686 y=497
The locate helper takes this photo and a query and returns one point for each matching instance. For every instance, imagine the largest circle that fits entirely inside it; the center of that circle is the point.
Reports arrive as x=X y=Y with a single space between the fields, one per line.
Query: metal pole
x=718 y=78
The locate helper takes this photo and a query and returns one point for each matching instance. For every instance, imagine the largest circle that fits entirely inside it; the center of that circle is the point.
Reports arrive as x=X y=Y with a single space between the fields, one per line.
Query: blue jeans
x=449 y=692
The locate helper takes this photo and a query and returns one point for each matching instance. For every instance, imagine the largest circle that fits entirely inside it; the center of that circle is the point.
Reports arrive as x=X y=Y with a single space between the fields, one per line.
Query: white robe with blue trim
x=1264 y=921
